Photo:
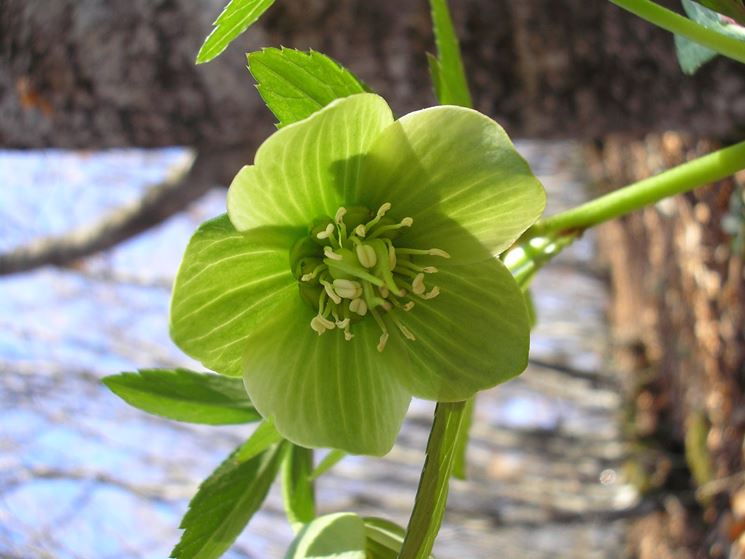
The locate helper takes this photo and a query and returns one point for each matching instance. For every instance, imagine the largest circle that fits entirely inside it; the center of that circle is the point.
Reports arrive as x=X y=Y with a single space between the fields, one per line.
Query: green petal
x=474 y=335
x=228 y=283
x=333 y=536
x=306 y=169
x=453 y=170
x=324 y=391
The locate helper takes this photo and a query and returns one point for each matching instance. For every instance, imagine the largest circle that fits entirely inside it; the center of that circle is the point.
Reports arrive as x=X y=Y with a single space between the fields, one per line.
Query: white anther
x=320 y=324
x=383 y=340
x=392 y=256
x=438 y=252
x=408 y=306
x=384 y=208
x=366 y=255
x=340 y=213
x=326 y=233
x=429 y=270
x=330 y=292
x=407 y=222
x=406 y=332
x=347 y=289
x=384 y=291
x=386 y=305
x=417 y=286
x=341 y=324
x=306 y=277
x=360 y=230
x=358 y=306
x=434 y=292
x=328 y=252
x=348 y=335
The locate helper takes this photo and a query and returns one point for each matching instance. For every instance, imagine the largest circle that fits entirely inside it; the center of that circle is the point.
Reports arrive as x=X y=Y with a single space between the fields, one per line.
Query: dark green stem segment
x=699 y=172
x=432 y=494
x=676 y=23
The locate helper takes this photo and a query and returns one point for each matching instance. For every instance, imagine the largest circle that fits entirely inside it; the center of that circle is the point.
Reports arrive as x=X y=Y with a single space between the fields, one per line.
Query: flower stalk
x=693 y=174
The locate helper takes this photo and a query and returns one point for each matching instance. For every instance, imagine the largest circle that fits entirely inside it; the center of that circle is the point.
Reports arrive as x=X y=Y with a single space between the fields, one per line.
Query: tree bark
x=91 y=74
x=678 y=291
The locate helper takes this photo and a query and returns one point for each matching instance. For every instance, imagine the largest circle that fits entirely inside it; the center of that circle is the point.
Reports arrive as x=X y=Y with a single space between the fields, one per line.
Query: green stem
x=704 y=170
x=676 y=23
x=431 y=496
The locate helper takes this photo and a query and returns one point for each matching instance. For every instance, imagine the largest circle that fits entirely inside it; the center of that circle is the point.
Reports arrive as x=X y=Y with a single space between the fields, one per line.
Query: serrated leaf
x=237 y=16
x=185 y=396
x=333 y=536
x=691 y=55
x=262 y=438
x=448 y=74
x=295 y=84
x=225 y=502
x=384 y=538
x=297 y=487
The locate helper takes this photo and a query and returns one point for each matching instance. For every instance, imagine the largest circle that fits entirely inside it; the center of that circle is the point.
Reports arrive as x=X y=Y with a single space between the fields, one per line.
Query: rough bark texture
x=678 y=287
x=85 y=73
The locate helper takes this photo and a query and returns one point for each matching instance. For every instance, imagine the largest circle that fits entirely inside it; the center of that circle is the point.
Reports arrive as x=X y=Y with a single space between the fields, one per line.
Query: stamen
x=342 y=323
x=429 y=252
x=317 y=270
x=347 y=289
x=404 y=330
x=384 y=291
x=381 y=324
x=405 y=307
x=360 y=230
x=408 y=306
x=412 y=266
x=383 y=340
x=391 y=254
x=320 y=324
x=326 y=233
x=358 y=306
x=381 y=212
x=417 y=286
x=366 y=255
x=348 y=335
x=328 y=252
x=330 y=292
x=432 y=294
x=340 y=213
x=405 y=222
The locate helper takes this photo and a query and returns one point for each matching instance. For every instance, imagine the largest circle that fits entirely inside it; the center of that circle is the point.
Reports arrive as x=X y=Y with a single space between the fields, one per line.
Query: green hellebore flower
x=357 y=269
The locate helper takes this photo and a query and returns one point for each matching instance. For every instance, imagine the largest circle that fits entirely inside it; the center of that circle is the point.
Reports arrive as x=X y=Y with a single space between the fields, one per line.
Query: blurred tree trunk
x=89 y=74
x=677 y=310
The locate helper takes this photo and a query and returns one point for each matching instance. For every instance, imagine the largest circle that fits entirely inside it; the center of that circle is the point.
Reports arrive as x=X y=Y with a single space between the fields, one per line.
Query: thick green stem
x=699 y=172
x=431 y=496
x=676 y=23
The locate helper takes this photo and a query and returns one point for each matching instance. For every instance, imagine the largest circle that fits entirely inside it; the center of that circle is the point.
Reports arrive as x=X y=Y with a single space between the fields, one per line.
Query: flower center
x=349 y=267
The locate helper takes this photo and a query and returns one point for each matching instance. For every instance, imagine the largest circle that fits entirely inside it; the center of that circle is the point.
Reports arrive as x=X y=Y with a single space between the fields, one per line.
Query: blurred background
x=624 y=438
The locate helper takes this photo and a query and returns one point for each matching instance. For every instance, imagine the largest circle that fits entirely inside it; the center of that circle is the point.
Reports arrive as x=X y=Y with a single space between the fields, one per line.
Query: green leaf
x=307 y=170
x=295 y=84
x=432 y=493
x=691 y=55
x=185 y=396
x=474 y=335
x=297 y=487
x=467 y=185
x=323 y=391
x=237 y=16
x=329 y=461
x=225 y=502
x=731 y=8
x=447 y=72
x=460 y=461
x=384 y=538
x=333 y=536
x=228 y=282
x=264 y=436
